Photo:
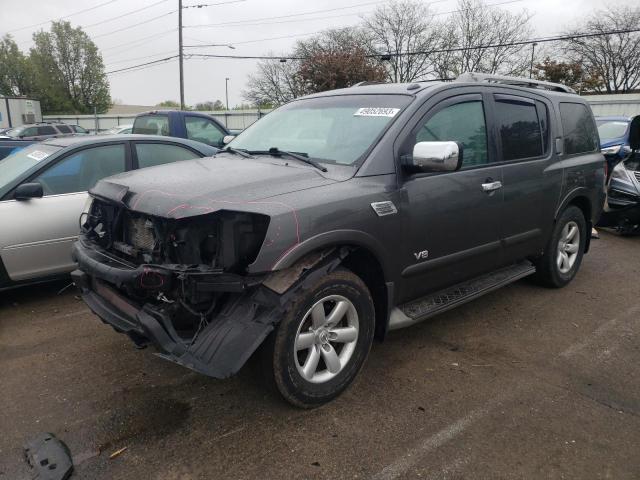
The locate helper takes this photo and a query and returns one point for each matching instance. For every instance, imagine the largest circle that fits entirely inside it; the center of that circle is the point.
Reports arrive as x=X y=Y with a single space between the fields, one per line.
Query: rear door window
x=150 y=154
x=519 y=127
x=64 y=129
x=46 y=130
x=151 y=125
x=80 y=171
x=580 y=133
x=203 y=130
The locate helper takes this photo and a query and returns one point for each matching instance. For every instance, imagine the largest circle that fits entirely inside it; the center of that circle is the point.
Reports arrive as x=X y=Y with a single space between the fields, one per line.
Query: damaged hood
x=193 y=187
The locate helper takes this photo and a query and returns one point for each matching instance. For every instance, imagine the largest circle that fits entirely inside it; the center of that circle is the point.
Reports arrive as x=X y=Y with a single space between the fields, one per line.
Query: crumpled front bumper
x=220 y=347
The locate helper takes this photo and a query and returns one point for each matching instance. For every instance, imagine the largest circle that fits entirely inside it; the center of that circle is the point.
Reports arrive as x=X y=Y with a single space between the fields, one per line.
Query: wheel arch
x=365 y=258
x=579 y=198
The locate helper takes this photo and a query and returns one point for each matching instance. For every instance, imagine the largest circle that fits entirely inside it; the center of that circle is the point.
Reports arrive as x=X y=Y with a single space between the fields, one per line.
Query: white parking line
x=413 y=456
x=632 y=313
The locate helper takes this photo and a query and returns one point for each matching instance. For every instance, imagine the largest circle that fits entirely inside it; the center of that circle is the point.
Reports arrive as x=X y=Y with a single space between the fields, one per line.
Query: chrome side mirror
x=435 y=157
x=227 y=139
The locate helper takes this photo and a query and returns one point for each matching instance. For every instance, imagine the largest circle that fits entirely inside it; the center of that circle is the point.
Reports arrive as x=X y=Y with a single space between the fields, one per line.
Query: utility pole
x=180 y=54
x=226 y=91
x=533 y=50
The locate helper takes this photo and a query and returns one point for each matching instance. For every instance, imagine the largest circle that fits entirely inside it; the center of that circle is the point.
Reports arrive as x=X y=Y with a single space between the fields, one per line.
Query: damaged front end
x=180 y=284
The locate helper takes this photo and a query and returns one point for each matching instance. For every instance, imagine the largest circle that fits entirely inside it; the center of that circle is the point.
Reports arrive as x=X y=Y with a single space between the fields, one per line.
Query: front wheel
x=321 y=344
x=563 y=255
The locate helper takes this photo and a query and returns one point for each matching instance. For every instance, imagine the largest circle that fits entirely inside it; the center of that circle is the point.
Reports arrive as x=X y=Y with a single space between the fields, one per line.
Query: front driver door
x=42 y=229
x=451 y=221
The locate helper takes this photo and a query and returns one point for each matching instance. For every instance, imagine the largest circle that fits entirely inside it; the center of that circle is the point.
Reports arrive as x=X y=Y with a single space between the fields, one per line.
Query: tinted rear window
x=46 y=130
x=580 y=134
x=519 y=127
x=151 y=125
x=64 y=129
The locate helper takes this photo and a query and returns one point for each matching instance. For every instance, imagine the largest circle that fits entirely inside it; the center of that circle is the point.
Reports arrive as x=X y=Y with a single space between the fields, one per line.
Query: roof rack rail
x=366 y=82
x=518 y=81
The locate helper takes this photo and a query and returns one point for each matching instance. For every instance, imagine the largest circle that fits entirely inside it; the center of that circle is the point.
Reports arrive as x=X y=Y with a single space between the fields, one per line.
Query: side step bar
x=443 y=300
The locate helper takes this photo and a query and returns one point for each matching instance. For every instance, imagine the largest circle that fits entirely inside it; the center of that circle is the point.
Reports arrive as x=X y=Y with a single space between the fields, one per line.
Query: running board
x=443 y=300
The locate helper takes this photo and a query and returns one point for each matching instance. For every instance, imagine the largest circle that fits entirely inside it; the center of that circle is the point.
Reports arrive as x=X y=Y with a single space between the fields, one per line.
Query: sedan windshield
x=611 y=129
x=337 y=129
x=15 y=132
x=21 y=160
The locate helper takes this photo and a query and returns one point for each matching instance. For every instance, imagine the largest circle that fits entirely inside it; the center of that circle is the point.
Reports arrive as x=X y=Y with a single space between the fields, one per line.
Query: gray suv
x=341 y=216
x=40 y=131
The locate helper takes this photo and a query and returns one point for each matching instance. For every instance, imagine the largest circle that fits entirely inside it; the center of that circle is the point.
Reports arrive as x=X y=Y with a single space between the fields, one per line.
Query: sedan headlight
x=613 y=150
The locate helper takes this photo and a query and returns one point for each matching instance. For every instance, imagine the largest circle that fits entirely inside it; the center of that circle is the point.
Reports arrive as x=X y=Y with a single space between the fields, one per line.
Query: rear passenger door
x=530 y=187
x=150 y=154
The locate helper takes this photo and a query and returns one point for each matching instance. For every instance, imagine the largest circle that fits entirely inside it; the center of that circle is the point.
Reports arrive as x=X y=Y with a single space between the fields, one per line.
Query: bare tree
x=615 y=57
x=276 y=82
x=484 y=38
x=405 y=26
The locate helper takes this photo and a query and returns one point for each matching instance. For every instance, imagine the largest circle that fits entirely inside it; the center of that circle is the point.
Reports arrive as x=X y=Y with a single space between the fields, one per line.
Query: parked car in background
x=39 y=131
x=177 y=123
x=622 y=209
x=78 y=130
x=614 y=138
x=43 y=189
x=119 y=130
x=290 y=238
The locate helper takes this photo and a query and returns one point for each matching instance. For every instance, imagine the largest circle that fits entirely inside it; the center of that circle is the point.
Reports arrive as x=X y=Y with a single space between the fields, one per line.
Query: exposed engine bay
x=182 y=284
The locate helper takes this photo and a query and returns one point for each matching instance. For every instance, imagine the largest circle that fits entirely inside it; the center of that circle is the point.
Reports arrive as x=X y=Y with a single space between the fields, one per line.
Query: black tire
x=548 y=272
x=279 y=357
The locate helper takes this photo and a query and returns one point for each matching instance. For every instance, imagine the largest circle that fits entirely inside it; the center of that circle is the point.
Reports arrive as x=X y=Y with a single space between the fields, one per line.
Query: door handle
x=491 y=186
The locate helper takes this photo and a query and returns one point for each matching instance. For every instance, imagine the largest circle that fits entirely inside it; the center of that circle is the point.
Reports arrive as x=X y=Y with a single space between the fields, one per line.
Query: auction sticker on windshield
x=37 y=155
x=376 y=112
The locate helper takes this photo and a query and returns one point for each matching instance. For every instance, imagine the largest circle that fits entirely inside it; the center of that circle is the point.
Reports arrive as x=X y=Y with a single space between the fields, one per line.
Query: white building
x=16 y=111
x=622 y=104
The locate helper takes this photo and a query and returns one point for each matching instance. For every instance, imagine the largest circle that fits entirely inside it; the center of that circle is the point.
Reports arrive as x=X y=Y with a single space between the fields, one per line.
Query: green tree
x=68 y=71
x=572 y=74
x=15 y=71
x=209 y=106
x=169 y=104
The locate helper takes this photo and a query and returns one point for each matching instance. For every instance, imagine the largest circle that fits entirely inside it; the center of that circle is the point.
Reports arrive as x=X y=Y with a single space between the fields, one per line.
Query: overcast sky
x=153 y=35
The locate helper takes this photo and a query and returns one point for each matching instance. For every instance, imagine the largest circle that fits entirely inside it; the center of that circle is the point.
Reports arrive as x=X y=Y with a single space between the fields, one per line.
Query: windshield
x=610 y=129
x=21 y=160
x=336 y=129
x=15 y=132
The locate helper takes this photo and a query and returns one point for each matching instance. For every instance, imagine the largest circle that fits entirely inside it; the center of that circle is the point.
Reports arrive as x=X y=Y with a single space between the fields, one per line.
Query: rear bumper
x=221 y=345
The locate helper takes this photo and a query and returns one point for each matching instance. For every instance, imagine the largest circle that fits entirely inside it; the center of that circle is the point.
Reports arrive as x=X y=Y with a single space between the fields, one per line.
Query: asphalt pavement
x=524 y=383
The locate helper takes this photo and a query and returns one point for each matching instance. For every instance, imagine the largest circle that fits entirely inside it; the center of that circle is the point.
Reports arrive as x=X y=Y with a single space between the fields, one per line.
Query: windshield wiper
x=303 y=157
x=238 y=151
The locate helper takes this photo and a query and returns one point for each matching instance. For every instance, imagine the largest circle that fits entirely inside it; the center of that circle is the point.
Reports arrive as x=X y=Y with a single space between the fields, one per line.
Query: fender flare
x=582 y=192
x=335 y=238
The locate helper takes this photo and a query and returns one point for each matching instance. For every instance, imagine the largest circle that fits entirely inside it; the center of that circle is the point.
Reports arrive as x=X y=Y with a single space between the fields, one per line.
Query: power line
x=161 y=60
x=425 y=52
x=140 y=40
x=134 y=25
x=124 y=14
x=203 y=5
x=250 y=41
x=63 y=17
x=139 y=58
x=332 y=16
x=249 y=21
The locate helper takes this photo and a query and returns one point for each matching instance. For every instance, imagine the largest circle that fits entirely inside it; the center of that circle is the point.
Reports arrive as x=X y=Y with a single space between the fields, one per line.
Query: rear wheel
x=563 y=255
x=321 y=344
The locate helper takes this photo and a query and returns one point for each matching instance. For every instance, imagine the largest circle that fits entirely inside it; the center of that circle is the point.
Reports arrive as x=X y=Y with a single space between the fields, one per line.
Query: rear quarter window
x=46 y=130
x=64 y=129
x=579 y=128
x=151 y=125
